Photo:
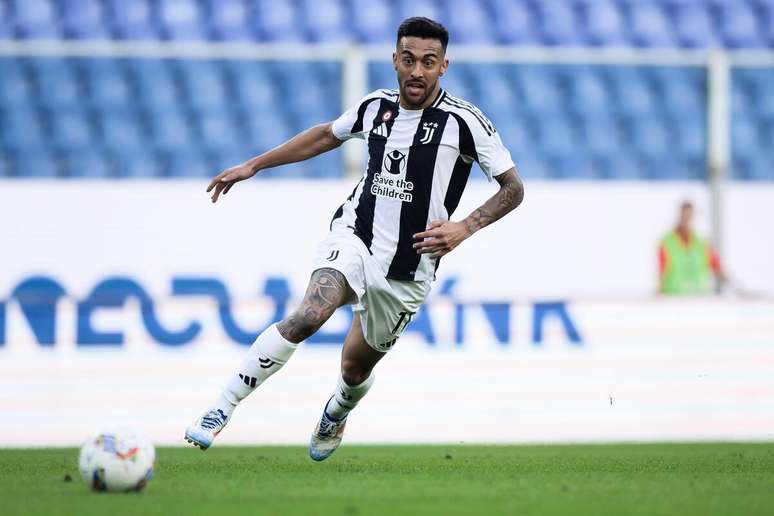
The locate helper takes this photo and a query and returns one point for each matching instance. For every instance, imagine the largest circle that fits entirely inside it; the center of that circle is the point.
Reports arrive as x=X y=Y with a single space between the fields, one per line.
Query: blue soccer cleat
x=206 y=428
x=326 y=437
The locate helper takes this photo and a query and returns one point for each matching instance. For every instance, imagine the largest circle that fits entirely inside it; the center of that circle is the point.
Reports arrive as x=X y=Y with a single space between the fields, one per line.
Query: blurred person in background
x=687 y=263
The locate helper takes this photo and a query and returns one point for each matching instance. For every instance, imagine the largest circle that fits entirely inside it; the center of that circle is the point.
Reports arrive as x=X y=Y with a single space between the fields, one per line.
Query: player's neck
x=426 y=104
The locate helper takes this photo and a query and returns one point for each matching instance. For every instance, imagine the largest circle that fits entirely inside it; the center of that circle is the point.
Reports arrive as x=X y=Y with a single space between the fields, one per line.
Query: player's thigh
x=357 y=357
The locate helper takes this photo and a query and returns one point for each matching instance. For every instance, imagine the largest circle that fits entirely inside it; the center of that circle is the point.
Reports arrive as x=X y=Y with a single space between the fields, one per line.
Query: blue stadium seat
x=745 y=137
x=218 y=130
x=693 y=25
x=107 y=84
x=266 y=130
x=649 y=135
x=153 y=82
x=121 y=131
x=514 y=22
x=35 y=163
x=326 y=21
x=469 y=22
x=738 y=25
x=689 y=138
x=203 y=86
x=456 y=82
x=277 y=21
x=587 y=90
x=169 y=130
x=494 y=90
x=328 y=165
x=309 y=104
x=133 y=20
x=21 y=128
x=761 y=81
x=138 y=165
x=761 y=169
x=576 y=166
x=680 y=91
x=57 y=85
x=558 y=136
x=518 y=134
x=188 y=163
x=601 y=135
x=84 y=19
x=254 y=86
x=540 y=89
x=632 y=94
x=6 y=26
x=36 y=19
x=650 y=25
x=428 y=8
x=558 y=23
x=604 y=23
x=229 y=20
x=622 y=166
x=70 y=130
x=372 y=21
x=181 y=20
x=530 y=166
x=87 y=163
x=15 y=87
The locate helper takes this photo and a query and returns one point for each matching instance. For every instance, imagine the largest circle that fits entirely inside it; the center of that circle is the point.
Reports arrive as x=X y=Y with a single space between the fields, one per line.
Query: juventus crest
x=429 y=128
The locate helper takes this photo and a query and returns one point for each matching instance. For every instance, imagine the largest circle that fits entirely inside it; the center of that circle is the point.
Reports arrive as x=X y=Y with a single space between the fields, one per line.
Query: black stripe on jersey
x=475 y=109
x=391 y=93
x=358 y=125
x=466 y=143
x=340 y=210
x=481 y=118
x=364 y=212
x=419 y=171
x=441 y=95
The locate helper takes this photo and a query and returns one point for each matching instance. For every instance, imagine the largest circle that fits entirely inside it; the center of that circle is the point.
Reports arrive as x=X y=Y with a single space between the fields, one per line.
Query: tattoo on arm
x=509 y=196
x=328 y=290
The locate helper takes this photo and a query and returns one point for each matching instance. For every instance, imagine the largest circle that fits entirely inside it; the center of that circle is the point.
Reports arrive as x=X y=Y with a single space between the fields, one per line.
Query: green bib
x=687 y=268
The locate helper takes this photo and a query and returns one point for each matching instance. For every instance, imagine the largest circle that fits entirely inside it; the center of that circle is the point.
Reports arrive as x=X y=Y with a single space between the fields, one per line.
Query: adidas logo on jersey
x=380 y=130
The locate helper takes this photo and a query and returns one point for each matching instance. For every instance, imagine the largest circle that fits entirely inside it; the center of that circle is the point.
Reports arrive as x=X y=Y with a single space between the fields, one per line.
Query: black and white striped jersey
x=418 y=164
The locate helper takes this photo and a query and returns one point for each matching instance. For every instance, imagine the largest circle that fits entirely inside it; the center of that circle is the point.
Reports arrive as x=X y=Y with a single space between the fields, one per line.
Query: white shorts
x=385 y=306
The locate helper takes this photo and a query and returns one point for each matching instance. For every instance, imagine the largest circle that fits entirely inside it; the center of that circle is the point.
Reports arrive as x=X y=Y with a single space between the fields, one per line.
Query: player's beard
x=429 y=89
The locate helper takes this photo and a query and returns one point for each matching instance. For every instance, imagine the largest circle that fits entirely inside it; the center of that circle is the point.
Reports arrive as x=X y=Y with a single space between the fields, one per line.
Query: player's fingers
x=228 y=187
x=427 y=234
x=215 y=181
x=436 y=223
x=218 y=188
x=425 y=243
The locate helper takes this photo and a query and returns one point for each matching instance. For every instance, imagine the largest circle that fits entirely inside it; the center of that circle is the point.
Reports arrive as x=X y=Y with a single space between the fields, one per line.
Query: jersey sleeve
x=493 y=157
x=351 y=123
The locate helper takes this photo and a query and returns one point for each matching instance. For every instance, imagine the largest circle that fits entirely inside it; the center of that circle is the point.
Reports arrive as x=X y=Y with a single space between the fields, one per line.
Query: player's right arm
x=304 y=145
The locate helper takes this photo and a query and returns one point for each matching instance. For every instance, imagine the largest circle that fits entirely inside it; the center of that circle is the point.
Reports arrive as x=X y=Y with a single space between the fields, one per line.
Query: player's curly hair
x=421 y=27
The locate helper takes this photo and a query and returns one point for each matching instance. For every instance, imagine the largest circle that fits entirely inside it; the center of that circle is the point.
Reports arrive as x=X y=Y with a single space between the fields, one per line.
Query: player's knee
x=302 y=325
x=354 y=373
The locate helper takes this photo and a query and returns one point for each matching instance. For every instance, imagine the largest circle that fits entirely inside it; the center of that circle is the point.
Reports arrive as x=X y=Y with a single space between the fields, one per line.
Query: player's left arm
x=444 y=235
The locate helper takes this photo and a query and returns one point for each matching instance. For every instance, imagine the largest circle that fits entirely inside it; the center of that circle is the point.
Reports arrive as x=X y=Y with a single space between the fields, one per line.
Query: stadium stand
x=103 y=117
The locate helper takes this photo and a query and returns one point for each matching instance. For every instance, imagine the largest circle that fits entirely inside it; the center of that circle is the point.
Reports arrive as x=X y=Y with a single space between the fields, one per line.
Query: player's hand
x=223 y=182
x=441 y=237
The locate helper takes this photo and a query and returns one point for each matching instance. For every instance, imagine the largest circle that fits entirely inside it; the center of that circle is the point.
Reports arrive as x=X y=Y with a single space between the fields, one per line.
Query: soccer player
x=388 y=236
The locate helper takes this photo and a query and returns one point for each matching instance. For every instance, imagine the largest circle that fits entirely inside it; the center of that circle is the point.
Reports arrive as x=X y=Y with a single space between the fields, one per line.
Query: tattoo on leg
x=328 y=290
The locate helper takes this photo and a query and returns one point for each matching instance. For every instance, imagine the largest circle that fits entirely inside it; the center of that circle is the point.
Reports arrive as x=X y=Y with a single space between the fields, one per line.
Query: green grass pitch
x=668 y=479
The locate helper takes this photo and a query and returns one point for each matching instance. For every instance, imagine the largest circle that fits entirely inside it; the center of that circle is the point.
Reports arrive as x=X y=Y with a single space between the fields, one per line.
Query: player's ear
x=395 y=61
x=444 y=66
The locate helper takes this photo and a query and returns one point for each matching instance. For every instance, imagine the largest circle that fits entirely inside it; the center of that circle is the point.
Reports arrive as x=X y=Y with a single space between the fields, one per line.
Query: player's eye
x=407 y=60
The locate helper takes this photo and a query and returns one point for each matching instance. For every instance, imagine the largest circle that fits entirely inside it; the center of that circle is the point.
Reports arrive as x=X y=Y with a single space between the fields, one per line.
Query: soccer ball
x=117 y=461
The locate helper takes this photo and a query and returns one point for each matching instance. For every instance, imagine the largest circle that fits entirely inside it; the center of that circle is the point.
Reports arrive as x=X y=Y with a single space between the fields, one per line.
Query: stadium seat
x=35 y=163
x=153 y=82
x=587 y=91
x=87 y=163
x=202 y=84
x=558 y=23
x=469 y=22
x=15 y=87
x=621 y=166
x=218 y=130
x=531 y=166
x=6 y=26
x=6 y=164
x=181 y=20
x=514 y=22
x=187 y=163
x=169 y=130
x=277 y=21
x=253 y=86
x=693 y=25
x=57 y=86
x=36 y=19
x=427 y=8
x=107 y=84
x=372 y=21
x=557 y=136
x=121 y=131
x=84 y=19
x=229 y=20
x=137 y=165
x=649 y=135
x=325 y=21
x=133 y=20
x=70 y=130
x=631 y=93
x=575 y=166
x=604 y=23
x=745 y=139
x=21 y=128
x=492 y=86
x=649 y=24
x=738 y=25
x=600 y=134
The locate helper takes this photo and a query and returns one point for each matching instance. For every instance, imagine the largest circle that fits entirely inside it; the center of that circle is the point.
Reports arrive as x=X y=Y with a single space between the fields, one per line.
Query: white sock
x=266 y=356
x=346 y=397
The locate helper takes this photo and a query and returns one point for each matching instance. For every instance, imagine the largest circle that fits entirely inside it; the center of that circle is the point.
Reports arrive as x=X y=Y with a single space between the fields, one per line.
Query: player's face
x=419 y=63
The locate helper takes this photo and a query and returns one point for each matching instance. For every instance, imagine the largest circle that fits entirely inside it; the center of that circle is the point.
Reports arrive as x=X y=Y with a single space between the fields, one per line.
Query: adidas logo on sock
x=265 y=363
x=249 y=380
